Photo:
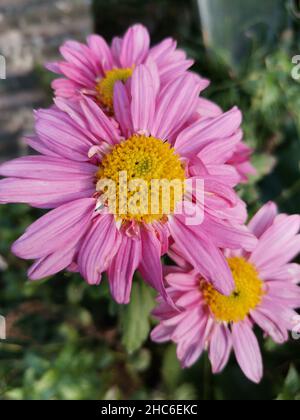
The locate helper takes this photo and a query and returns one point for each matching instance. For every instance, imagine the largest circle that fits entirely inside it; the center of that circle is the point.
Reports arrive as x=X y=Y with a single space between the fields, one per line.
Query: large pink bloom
x=266 y=294
x=85 y=66
x=75 y=140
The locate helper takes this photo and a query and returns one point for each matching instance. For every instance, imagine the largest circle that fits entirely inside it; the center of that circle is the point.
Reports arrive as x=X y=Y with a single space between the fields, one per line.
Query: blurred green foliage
x=67 y=340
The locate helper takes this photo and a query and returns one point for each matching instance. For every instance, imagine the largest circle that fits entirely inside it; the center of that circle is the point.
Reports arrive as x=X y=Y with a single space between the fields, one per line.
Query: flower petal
x=52 y=264
x=122 y=109
x=143 y=99
x=47 y=168
x=44 y=193
x=151 y=266
x=135 y=46
x=201 y=133
x=203 y=255
x=98 y=123
x=54 y=231
x=269 y=323
x=122 y=269
x=220 y=347
x=263 y=219
x=98 y=248
x=247 y=351
x=101 y=51
x=279 y=244
x=176 y=104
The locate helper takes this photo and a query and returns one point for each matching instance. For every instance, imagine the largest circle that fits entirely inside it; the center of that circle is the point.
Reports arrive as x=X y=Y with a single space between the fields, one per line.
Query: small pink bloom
x=93 y=68
x=266 y=294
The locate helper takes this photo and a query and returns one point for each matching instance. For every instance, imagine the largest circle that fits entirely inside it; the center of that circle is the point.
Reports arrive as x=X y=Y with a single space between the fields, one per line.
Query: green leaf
x=291 y=388
x=171 y=370
x=264 y=165
x=135 y=318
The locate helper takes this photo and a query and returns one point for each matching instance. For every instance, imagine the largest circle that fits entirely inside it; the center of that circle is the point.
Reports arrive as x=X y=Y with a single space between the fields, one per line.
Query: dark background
x=67 y=340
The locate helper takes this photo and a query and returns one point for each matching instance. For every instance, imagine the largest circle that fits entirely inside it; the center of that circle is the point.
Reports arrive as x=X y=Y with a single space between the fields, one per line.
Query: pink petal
x=54 y=67
x=176 y=104
x=279 y=244
x=44 y=193
x=81 y=57
x=220 y=347
x=220 y=150
x=122 y=269
x=61 y=135
x=116 y=47
x=247 y=351
x=65 y=88
x=225 y=174
x=151 y=266
x=47 y=168
x=163 y=50
x=190 y=349
x=59 y=228
x=52 y=264
x=171 y=71
x=98 y=249
x=101 y=52
x=76 y=75
x=263 y=219
x=122 y=109
x=288 y=272
x=161 y=334
x=203 y=255
x=143 y=99
x=187 y=325
x=208 y=109
x=183 y=281
x=229 y=236
x=36 y=144
x=135 y=46
x=195 y=137
x=268 y=322
x=98 y=123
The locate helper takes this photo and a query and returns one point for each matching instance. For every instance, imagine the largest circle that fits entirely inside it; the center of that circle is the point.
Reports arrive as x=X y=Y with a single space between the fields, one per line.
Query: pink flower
x=150 y=138
x=266 y=294
x=94 y=68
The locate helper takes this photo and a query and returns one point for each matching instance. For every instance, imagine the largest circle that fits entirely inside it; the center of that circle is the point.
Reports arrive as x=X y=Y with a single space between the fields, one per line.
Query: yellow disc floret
x=148 y=176
x=105 y=87
x=247 y=295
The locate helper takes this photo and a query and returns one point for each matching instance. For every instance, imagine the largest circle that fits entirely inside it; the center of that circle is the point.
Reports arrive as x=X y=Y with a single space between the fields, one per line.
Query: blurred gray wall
x=30 y=34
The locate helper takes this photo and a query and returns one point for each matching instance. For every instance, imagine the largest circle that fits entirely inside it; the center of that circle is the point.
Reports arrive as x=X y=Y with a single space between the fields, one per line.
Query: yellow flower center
x=247 y=295
x=105 y=87
x=148 y=178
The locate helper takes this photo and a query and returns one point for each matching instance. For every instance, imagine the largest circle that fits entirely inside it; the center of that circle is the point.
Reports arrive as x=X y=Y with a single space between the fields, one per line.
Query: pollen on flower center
x=247 y=295
x=148 y=176
x=105 y=87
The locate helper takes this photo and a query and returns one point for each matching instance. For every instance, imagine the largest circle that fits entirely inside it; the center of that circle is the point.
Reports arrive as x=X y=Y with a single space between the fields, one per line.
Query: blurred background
x=66 y=340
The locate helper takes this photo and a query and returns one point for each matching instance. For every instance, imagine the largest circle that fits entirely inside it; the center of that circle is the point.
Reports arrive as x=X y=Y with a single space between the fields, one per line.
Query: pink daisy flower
x=94 y=68
x=266 y=294
x=150 y=138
